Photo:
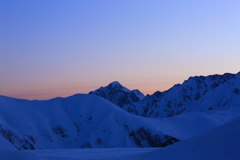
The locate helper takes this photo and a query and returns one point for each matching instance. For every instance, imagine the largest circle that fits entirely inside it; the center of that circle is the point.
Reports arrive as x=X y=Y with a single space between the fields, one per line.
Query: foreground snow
x=83 y=154
x=74 y=154
x=4 y=144
x=221 y=143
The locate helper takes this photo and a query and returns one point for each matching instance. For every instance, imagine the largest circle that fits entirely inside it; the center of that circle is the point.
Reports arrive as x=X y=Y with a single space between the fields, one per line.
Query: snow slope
x=190 y=124
x=79 y=121
x=5 y=144
x=221 y=143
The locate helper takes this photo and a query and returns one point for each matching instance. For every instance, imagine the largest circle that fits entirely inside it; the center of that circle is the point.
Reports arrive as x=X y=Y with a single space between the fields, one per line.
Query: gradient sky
x=61 y=47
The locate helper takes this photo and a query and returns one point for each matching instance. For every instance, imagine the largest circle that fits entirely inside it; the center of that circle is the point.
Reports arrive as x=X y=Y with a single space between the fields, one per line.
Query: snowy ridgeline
x=221 y=143
x=199 y=93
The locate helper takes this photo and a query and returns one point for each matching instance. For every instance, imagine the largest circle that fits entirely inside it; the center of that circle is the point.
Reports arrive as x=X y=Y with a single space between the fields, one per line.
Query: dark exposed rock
x=142 y=135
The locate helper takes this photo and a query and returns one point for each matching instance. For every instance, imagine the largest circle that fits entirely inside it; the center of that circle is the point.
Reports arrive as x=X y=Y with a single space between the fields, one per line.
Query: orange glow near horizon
x=45 y=94
x=56 y=49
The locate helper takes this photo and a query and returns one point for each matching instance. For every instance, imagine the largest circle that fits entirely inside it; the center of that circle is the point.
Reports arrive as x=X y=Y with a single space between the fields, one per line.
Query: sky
x=60 y=47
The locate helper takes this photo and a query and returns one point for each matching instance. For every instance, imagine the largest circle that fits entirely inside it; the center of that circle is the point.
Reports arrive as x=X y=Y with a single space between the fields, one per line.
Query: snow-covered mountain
x=198 y=93
x=121 y=96
x=89 y=121
x=79 y=121
x=183 y=97
x=114 y=116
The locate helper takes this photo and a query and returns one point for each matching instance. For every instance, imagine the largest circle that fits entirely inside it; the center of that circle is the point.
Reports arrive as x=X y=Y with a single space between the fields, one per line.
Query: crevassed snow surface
x=221 y=143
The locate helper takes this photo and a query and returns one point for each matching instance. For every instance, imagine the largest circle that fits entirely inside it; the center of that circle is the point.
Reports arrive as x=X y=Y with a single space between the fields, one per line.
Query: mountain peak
x=120 y=96
x=115 y=83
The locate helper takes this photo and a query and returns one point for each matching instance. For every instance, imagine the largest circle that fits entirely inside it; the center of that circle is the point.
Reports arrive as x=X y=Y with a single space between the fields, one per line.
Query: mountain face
x=184 y=97
x=79 y=121
x=120 y=96
x=193 y=94
x=222 y=97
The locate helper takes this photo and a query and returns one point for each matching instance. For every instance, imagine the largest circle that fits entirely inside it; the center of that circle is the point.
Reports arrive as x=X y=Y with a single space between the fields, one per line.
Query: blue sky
x=59 y=47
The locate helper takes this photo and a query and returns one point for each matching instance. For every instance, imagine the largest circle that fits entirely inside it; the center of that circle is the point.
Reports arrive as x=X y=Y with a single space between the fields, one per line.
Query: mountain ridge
x=178 y=99
x=114 y=116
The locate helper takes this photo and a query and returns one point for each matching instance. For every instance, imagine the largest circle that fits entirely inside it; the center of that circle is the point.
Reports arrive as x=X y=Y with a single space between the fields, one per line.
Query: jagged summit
x=117 y=85
x=120 y=95
x=214 y=76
